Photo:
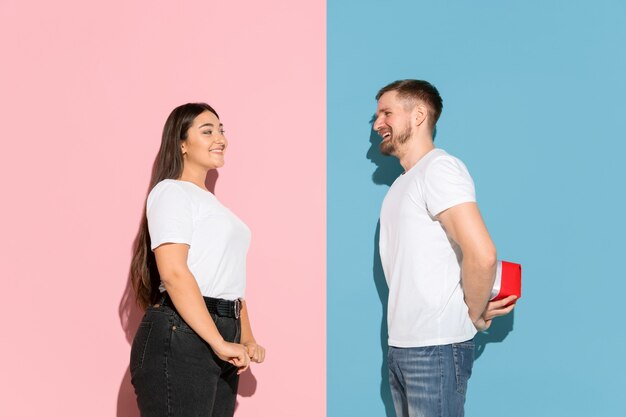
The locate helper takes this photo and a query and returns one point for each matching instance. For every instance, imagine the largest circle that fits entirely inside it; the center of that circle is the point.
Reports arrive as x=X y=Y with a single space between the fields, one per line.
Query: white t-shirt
x=182 y=212
x=422 y=266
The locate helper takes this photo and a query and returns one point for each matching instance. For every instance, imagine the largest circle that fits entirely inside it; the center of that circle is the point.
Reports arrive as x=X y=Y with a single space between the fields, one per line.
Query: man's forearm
x=464 y=225
x=478 y=278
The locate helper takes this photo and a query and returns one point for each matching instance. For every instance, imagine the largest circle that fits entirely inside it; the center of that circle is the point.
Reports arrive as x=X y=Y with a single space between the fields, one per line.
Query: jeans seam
x=400 y=374
x=441 y=381
x=145 y=345
x=457 y=368
x=167 y=377
x=140 y=360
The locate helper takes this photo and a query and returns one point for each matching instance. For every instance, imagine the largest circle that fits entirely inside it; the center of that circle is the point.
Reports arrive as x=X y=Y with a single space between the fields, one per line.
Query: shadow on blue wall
x=387 y=170
x=387 y=167
x=498 y=331
x=383 y=294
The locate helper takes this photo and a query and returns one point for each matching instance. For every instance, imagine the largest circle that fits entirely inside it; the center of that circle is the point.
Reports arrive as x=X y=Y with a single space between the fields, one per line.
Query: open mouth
x=219 y=150
x=386 y=134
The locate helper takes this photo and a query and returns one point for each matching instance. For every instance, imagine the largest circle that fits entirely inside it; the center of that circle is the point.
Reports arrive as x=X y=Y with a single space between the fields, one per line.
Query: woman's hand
x=495 y=309
x=255 y=351
x=233 y=353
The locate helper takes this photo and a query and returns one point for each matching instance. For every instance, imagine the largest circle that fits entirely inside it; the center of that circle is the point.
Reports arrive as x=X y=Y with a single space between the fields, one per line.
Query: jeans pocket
x=463 y=363
x=140 y=342
x=229 y=328
x=191 y=351
x=181 y=326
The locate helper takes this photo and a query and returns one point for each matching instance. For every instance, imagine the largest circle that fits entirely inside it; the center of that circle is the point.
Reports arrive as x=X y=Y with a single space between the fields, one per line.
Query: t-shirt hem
x=430 y=342
x=154 y=245
x=438 y=210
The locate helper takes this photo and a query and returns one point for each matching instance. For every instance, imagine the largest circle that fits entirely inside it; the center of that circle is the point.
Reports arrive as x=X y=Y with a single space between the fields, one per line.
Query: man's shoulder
x=440 y=160
x=435 y=157
x=440 y=155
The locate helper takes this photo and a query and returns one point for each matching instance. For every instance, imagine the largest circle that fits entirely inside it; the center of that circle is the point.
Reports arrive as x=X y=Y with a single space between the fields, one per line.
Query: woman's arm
x=183 y=289
x=255 y=351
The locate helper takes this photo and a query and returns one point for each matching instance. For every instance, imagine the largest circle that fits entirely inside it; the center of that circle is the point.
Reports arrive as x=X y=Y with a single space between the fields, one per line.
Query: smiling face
x=205 y=144
x=393 y=122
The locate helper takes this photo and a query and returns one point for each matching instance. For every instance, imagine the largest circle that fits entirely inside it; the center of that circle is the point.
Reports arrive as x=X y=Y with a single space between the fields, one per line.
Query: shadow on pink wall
x=130 y=316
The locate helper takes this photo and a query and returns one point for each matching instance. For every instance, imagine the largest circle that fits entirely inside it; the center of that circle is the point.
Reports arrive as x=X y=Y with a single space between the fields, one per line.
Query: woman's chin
x=215 y=163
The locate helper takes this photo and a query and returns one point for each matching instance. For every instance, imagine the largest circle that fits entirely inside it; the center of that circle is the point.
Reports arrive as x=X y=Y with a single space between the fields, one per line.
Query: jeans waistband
x=219 y=306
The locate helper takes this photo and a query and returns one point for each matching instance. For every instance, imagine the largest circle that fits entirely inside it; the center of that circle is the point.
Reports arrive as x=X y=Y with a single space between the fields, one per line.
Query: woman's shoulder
x=168 y=189
x=167 y=186
x=181 y=190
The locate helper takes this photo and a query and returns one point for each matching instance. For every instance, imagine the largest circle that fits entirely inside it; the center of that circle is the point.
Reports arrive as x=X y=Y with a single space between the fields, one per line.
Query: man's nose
x=377 y=124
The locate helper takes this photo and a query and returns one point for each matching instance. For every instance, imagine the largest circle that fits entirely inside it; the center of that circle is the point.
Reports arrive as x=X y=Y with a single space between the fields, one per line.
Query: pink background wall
x=85 y=88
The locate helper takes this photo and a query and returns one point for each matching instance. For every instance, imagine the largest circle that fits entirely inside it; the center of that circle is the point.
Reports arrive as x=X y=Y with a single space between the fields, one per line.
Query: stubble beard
x=390 y=146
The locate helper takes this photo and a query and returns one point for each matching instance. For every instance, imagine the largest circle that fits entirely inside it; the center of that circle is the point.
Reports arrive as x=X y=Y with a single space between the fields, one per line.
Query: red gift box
x=508 y=281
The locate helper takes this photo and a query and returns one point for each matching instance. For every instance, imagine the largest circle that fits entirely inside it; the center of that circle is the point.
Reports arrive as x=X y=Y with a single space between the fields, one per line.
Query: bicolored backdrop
x=533 y=104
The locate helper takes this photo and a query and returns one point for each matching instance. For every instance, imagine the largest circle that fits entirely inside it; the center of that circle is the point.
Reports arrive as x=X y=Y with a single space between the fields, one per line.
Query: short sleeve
x=447 y=183
x=170 y=215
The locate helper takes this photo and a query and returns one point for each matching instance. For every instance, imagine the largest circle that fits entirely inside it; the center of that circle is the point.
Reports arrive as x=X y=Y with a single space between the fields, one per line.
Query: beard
x=390 y=146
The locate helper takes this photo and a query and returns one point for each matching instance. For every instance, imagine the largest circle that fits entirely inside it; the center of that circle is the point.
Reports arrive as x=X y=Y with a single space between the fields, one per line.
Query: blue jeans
x=175 y=373
x=430 y=381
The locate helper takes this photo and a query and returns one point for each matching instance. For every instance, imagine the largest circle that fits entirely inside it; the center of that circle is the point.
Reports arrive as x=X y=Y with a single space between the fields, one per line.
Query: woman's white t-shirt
x=182 y=212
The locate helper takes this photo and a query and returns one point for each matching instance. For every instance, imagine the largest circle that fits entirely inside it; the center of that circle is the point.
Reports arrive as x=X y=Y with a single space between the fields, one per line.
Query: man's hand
x=495 y=309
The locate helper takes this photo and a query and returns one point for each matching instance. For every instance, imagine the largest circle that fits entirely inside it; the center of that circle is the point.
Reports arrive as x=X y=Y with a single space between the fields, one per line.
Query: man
x=438 y=258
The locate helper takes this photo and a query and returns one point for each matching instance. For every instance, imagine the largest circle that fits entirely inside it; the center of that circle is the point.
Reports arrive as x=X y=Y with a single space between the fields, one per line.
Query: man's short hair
x=417 y=90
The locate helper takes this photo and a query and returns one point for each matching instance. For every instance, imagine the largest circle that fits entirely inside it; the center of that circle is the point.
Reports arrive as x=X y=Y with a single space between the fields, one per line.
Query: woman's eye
x=222 y=131
x=208 y=132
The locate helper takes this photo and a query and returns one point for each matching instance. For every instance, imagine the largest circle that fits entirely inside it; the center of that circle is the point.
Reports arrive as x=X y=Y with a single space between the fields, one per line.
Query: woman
x=188 y=271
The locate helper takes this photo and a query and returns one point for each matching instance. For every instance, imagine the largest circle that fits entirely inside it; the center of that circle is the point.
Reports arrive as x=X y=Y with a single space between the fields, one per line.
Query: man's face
x=393 y=122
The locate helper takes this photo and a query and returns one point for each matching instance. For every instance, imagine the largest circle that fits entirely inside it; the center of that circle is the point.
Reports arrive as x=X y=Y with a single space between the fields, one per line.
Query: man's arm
x=464 y=224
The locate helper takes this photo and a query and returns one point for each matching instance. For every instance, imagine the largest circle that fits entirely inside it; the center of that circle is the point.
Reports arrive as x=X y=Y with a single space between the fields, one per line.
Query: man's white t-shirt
x=422 y=265
x=182 y=212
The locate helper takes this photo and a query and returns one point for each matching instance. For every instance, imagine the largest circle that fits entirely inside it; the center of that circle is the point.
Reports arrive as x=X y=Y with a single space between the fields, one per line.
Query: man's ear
x=420 y=114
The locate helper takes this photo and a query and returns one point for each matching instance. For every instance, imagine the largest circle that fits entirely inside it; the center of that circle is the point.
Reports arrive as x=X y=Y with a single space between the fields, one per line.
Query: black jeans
x=175 y=373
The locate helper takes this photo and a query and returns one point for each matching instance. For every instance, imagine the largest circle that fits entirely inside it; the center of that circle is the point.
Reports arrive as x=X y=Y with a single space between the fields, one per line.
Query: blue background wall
x=535 y=104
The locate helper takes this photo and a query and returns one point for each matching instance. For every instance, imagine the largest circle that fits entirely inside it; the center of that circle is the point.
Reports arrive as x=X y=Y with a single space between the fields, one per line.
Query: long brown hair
x=144 y=274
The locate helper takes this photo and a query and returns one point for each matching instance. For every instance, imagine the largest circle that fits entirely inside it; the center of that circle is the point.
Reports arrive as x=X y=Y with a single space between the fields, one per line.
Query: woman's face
x=205 y=144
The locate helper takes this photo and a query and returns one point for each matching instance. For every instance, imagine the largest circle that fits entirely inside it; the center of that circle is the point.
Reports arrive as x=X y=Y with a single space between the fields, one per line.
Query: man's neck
x=415 y=150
